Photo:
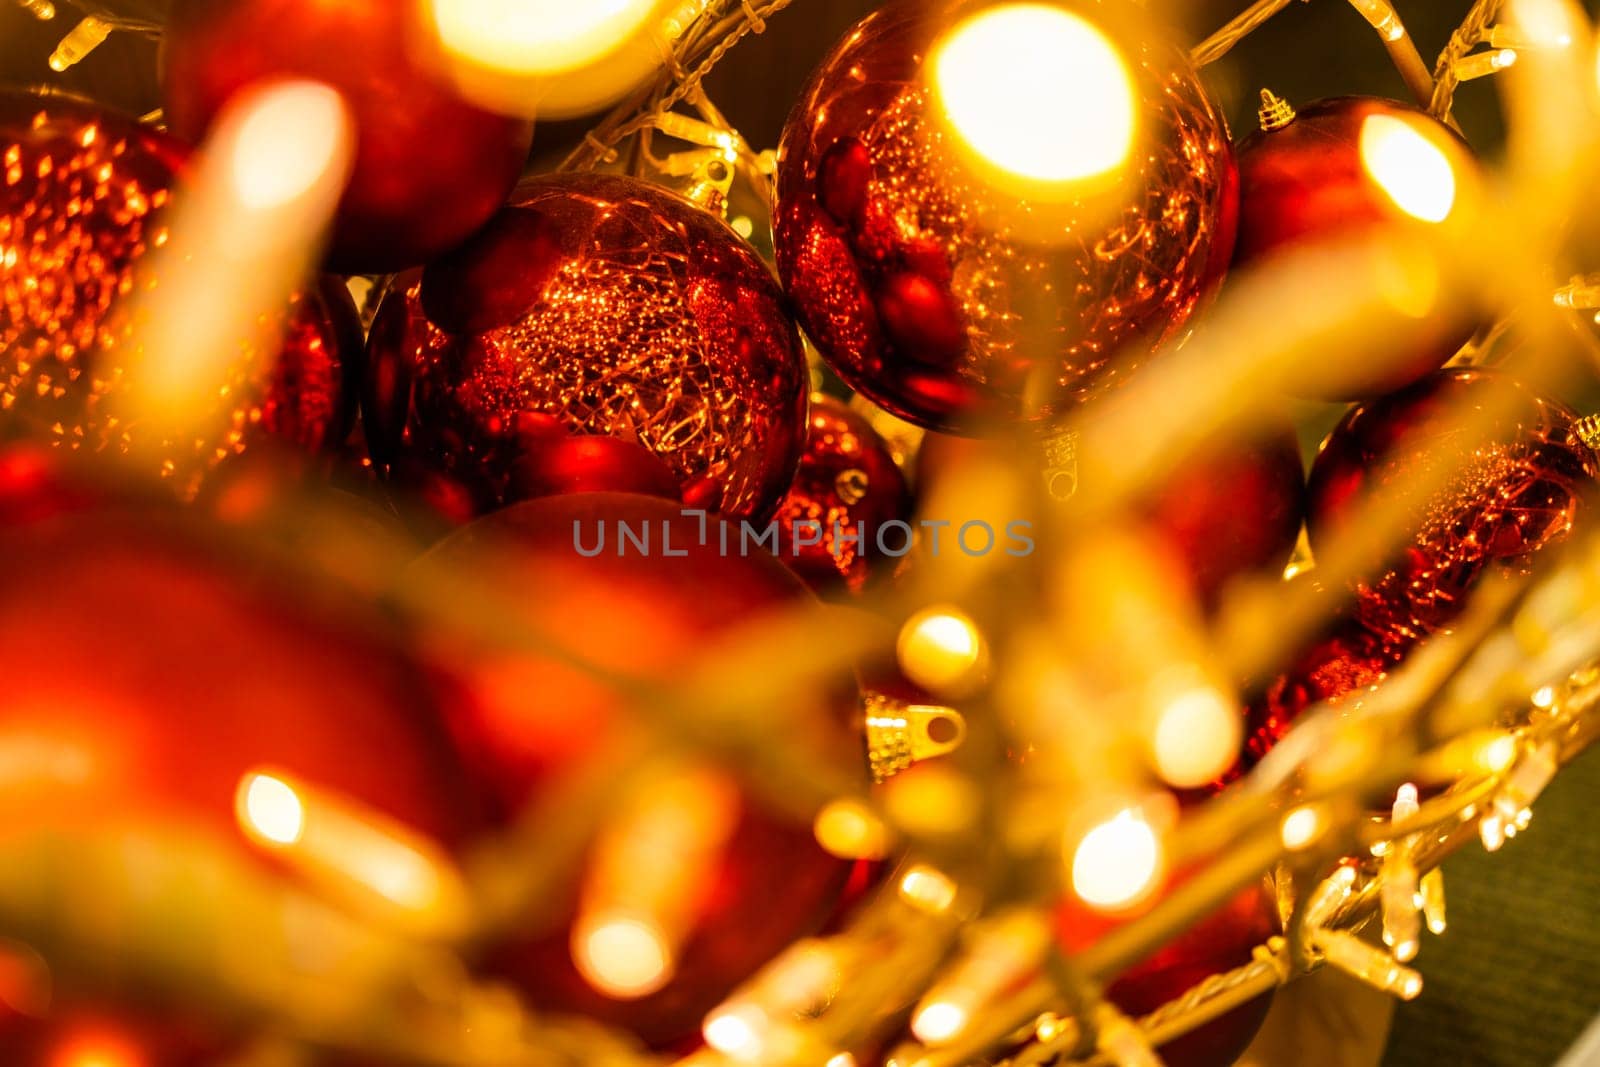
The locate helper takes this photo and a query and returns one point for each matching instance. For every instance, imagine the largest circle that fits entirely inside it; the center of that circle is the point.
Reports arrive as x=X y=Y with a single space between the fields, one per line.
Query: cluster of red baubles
x=587 y=351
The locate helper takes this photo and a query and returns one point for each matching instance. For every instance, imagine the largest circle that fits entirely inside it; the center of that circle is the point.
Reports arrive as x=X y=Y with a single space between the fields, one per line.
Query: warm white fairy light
x=1381 y=15
x=269 y=810
x=996 y=71
x=941 y=649
x=623 y=956
x=737 y=1031
x=1408 y=166
x=850 y=829
x=1302 y=827
x=1368 y=963
x=927 y=889
x=1196 y=737
x=1117 y=863
x=1483 y=64
x=85 y=37
x=1433 y=907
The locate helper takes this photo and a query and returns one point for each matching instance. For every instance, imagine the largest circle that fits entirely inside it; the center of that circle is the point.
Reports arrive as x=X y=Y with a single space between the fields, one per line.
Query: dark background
x=1514 y=981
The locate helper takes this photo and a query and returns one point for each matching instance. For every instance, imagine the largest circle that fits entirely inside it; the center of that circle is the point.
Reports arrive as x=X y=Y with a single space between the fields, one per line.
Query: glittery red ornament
x=429 y=167
x=82 y=204
x=151 y=680
x=1516 y=488
x=532 y=725
x=945 y=298
x=1220 y=942
x=599 y=305
x=1302 y=179
x=1232 y=509
x=847 y=487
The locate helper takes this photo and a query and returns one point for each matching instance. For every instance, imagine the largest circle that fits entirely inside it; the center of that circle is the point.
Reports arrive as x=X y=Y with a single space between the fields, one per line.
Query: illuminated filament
x=651 y=869
x=1117 y=863
x=997 y=74
x=999 y=953
x=82 y=39
x=351 y=850
x=1409 y=167
x=1483 y=64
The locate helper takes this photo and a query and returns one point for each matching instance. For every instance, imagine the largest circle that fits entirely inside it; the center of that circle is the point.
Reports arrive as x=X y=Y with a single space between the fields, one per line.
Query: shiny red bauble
x=848 y=486
x=1511 y=487
x=593 y=305
x=955 y=301
x=1321 y=175
x=604 y=618
x=429 y=167
x=1225 y=939
x=84 y=202
x=1232 y=508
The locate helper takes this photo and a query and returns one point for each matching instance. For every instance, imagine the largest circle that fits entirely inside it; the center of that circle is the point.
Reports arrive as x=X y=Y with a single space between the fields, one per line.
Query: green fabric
x=1516 y=978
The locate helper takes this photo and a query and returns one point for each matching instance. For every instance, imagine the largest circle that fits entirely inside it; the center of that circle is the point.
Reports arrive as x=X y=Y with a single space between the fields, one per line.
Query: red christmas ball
x=596 y=305
x=84 y=201
x=940 y=288
x=1232 y=508
x=153 y=681
x=847 y=487
x=1225 y=939
x=1322 y=174
x=710 y=914
x=1513 y=489
x=429 y=167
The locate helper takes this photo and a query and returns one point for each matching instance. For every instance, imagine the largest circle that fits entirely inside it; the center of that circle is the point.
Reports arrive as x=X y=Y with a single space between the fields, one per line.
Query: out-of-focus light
x=97 y=1050
x=743 y=226
x=1117 y=862
x=928 y=889
x=941 y=649
x=1544 y=697
x=939 y=1022
x=286 y=145
x=621 y=956
x=1301 y=827
x=1409 y=167
x=849 y=829
x=1197 y=737
x=843 y=1059
x=998 y=71
x=269 y=810
x=1497 y=754
x=735 y=1030
x=43 y=10
x=537 y=36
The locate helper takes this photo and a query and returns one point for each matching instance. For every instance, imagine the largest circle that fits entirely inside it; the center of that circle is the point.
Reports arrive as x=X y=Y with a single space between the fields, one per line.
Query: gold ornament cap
x=1275 y=112
x=901 y=734
x=1587 y=430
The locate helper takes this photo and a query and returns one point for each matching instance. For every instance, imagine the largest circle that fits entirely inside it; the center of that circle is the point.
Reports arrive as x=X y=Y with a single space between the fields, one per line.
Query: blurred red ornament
x=951 y=298
x=534 y=724
x=83 y=204
x=151 y=682
x=429 y=167
x=848 y=483
x=1232 y=509
x=1225 y=939
x=1323 y=174
x=595 y=305
x=1511 y=487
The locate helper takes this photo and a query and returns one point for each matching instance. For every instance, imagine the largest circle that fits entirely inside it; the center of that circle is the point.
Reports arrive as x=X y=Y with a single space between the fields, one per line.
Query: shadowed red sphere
x=1306 y=182
x=956 y=303
x=596 y=306
x=1509 y=487
x=1221 y=941
x=429 y=167
x=534 y=724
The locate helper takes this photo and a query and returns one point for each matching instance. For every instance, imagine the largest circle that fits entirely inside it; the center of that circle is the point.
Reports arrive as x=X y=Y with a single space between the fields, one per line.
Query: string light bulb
x=1380 y=14
x=1117 y=863
x=1483 y=64
x=43 y=10
x=1408 y=166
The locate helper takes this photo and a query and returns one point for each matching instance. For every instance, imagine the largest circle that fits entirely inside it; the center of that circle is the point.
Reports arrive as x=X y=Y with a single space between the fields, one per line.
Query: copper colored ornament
x=165 y=679
x=594 y=305
x=1231 y=509
x=949 y=301
x=533 y=724
x=429 y=167
x=82 y=204
x=1302 y=180
x=1515 y=489
x=847 y=487
x=1225 y=939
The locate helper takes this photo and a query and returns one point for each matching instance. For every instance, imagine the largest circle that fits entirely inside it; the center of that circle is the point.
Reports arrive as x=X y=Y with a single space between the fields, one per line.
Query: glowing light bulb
x=1197 y=737
x=96 y=1051
x=269 y=810
x=1117 y=862
x=941 y=649
x=939 y=1022
x=997 y=72
x=849 y=829
x=928 y=889
x=735 y=1030
x=1409 y=167
x=1301 y=827
x=621 y=956
x=287 y=143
